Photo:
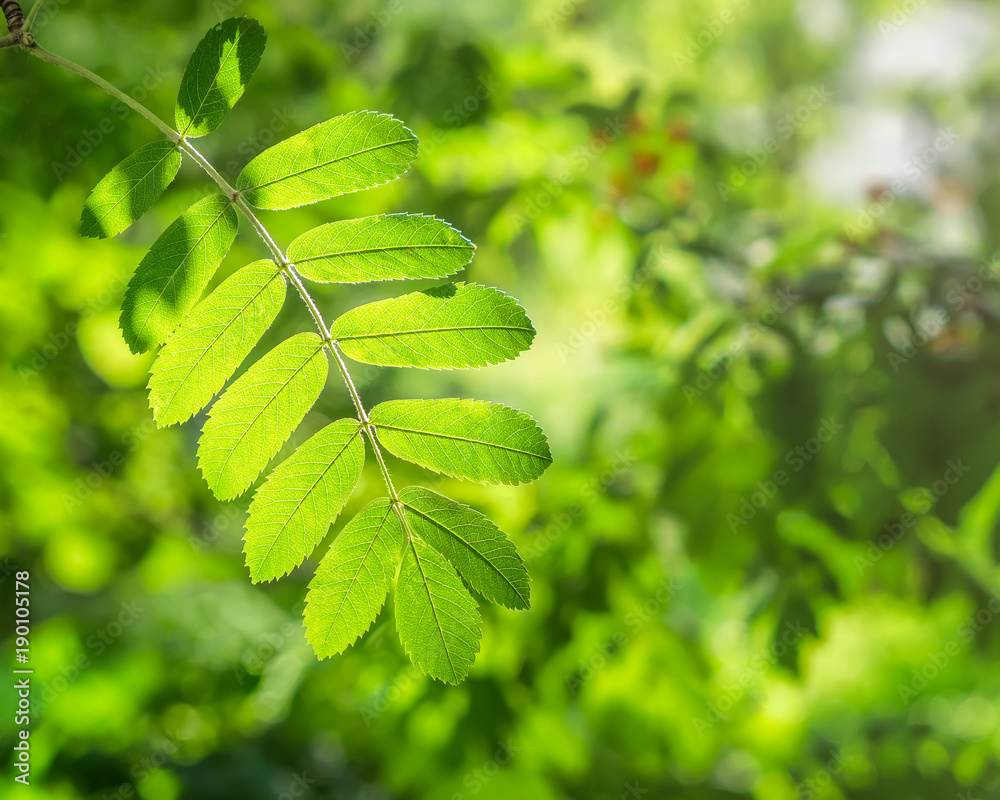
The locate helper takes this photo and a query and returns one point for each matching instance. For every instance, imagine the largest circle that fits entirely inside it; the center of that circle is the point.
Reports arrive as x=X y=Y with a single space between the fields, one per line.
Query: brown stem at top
x=13 y=14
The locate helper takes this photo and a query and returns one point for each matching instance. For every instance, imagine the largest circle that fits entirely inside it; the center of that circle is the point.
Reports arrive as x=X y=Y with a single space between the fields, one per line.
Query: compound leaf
x=252 y=419
x=381 y=248
x=344 y=154
x=448 y=327
x=294 y=508
x=130 y=189
x=481 y=552
x=436 y=617
x=217 y=73
x=352 y=581
x=485 y=442
x=174 y=273
x=213 y=340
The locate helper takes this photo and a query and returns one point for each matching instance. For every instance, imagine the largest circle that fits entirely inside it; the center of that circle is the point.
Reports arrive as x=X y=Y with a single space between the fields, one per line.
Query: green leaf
x=436 y=617
x=480 y=551
x=451 y=326
x=130 y=189
x=174 y=273
x=213 y=340
x=345 y=154
x=352 y=581
x=255 y=416
x=302 y=496
x=217 y=73
x=473 y=439
x=382 y=248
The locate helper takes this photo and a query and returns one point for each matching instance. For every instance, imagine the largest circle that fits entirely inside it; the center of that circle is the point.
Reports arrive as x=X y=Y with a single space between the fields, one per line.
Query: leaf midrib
x=271 y=399
x=135 y=184
x=455 y=536
x=354 y=578
x=214 y=82
x=308 y=492
x=461 y=439
x=296 y=174
x=418 y=331
x=221 y=333
x=341 y=253
x=182 y=262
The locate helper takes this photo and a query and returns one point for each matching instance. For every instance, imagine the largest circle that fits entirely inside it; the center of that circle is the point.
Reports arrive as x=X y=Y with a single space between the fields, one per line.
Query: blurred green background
x=757 y=242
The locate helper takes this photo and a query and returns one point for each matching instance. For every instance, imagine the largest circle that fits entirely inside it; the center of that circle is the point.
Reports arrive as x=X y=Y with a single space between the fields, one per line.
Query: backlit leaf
x=448 y=327
x=344 y=154
x=255 y=416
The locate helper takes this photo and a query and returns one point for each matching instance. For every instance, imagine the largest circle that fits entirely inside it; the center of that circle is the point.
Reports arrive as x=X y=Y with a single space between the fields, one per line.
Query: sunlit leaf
x=255 y=416
x=130 y=189
x=352 y=581
x=436 y=617
x=382 y=248
x=344 y=154
x=448 y=327
x=217 y=73
x=473 y=439
x=214 y=339
x=292 y=511
x=478 y=549
x=174 y=273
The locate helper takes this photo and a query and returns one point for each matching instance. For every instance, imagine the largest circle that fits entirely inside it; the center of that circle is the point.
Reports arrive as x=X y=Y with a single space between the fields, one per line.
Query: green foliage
x=213 y=341
x=130 y=189
x=472 y=439
x=352 y=581
x=301 y=498
x=435 y=614
x=345 y=154
x=174 y=273
x=481 y=552
x=448 y=327
x=250 y=422
x=382 y=248
x=217 y=74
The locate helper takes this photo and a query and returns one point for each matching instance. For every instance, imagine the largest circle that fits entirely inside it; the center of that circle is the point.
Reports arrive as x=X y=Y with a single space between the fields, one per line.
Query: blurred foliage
x=757 y=243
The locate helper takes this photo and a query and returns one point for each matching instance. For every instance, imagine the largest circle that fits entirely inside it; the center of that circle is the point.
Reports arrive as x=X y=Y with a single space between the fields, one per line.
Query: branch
x=278 y=255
